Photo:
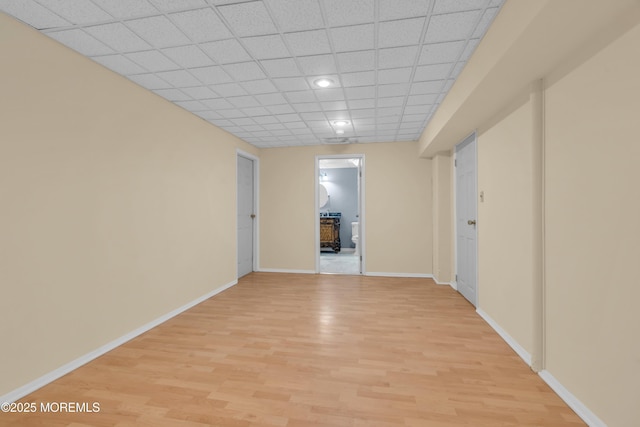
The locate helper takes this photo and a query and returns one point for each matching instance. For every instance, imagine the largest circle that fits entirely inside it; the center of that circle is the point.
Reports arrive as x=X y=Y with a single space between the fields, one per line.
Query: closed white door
x=246 y=216
x=466 y=213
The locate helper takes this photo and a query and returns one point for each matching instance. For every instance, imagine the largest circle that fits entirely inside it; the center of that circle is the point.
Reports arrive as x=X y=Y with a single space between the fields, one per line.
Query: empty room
x=291 y=213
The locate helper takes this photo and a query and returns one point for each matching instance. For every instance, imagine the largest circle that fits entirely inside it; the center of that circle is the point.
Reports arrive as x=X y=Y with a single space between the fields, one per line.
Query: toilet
x=355 y=236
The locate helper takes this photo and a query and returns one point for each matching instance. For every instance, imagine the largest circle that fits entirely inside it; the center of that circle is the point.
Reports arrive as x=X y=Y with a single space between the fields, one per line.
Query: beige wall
x=593 y=231
x=111 y=206
x=505 y=261
x=442 y=181
x=398 y=207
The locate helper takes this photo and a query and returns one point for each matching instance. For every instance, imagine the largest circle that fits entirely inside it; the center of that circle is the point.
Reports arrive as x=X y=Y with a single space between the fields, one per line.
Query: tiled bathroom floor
x=342 y=263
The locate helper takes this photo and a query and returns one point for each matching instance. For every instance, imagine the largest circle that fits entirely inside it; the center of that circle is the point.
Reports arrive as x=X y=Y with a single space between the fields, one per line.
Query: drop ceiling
x=249 y=67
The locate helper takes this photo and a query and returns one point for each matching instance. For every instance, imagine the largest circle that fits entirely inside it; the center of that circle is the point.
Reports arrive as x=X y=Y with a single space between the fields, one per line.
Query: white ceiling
x=248 y=66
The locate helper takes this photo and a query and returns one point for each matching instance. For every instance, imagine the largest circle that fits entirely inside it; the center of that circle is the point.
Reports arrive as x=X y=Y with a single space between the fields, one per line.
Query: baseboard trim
x=435 y=279
x=573 y=402
x=524 y=354
x=382 y=274
x=284 y=270
x=34 y=385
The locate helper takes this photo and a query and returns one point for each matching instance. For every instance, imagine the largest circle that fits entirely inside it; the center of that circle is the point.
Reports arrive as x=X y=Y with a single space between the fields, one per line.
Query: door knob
x=253 y=216
x=471 y=222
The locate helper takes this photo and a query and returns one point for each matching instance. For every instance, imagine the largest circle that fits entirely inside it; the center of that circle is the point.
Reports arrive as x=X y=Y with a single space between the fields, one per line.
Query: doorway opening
x=247 y=209
x=340 y=214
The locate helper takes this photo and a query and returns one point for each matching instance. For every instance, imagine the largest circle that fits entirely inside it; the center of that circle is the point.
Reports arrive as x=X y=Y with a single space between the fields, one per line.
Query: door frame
x=256 y=208
x=454 y=282
x=361 y=204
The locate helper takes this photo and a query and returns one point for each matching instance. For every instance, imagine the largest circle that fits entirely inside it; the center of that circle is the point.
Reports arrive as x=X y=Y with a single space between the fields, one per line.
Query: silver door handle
x=471 y=222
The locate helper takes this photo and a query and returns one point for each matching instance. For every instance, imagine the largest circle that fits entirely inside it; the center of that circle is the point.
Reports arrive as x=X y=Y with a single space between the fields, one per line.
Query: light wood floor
x=312 y=350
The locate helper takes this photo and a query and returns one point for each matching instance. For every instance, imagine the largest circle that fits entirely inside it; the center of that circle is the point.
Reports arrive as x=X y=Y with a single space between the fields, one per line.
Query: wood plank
x=292 y=350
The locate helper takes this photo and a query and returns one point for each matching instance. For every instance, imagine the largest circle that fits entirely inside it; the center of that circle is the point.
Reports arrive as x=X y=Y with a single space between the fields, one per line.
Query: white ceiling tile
x=288 y=118
x=245 y=121
x=419 y=88
x=341 y=12
x=179 y=78
x=330 y=94
x=208 y=115
x=255 y=111
x=362 y=103
x=280 y=109
x=317 y=65
x=363 y=78
x=244 y=71
x=392 y=90
x=457 y=69
x=211 y=75
x=226 y=51
x=285 y=67
x=438 y=53
x=82 y=42
x=388 y=111
x=485 y=21
x=412 y=119
x=231 y=114
x=201 y=25
x=304 y=43
x=361 y=92
x=271 y=99
x=301 y=96
x=417 y=109
x=152 y=60
x=295 y=125
x=255 y=87
x=172 y=94
x=149 y=81
x=296 y=15
x=307 y=107
x=394 y=101
x=422 y=99
x=248 y=19
x=266 y=47
x=394 y=9
x=229 y=89
x=338 y=115
x=118 y=37
x=265 y=120
x=243 y=101
x=123 y=9
x=453 y=26
x=394 y=75
x=363 y=114
x=432 y=72
x=188 y=56
x=469 y=49
x=357 y=61
x=199 y=92
x=447 y=6
x=221 y=122
x=191 y=105
x=217 y=104
x=291 y=83
x=274 y=126
x=77 y=11
x=404 y=32
x=357 y=37
x=397 y=57
x=313 y=116
x=119 y=64
x=158 y=31
x=33 y=14
x=174 y=5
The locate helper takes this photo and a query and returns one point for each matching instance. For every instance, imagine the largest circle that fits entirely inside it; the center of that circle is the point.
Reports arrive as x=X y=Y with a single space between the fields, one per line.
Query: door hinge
x=360 y=258
x=456 y=278
x=455 y=163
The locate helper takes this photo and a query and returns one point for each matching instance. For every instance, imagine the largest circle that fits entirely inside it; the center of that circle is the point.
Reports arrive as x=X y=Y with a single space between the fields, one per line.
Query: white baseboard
x=435 y=279
x=34 y=385
x=578 y=407
x=284 y=270
x=505 y=336
x=454 y=285
x=379 y=274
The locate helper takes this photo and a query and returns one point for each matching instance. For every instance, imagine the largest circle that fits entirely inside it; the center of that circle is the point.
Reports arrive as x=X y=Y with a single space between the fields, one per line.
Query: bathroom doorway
x=340 y=214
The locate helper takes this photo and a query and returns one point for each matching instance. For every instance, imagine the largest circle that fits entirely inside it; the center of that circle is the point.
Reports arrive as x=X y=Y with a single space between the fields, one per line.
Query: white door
x=246 y=216
x=466 y=210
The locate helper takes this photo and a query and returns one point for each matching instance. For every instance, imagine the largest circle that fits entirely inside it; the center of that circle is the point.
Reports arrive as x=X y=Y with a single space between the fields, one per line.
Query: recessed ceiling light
x=339 y=132
x=323 y=82
x=340 y=122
